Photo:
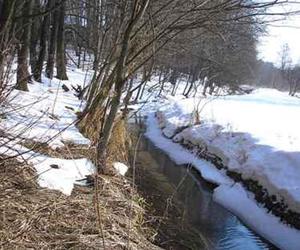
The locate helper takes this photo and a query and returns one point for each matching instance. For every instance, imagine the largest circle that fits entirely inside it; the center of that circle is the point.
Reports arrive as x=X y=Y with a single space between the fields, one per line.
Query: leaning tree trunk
x=23 y=75
x=37 y=74
x=193 y=79
x=52 y=43
x=138 y=94
x=60 y=54
x=105 y=134
x=127 y=98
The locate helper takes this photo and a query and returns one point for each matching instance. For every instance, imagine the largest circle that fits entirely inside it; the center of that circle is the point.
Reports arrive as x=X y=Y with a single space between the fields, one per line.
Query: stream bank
x=181 y=204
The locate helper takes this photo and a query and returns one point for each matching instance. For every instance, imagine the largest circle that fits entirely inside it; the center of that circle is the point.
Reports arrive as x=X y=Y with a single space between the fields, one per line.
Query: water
x=220 y=228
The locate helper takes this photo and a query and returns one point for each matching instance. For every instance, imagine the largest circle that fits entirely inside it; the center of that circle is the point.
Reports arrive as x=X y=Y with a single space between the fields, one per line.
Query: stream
x=218 y=227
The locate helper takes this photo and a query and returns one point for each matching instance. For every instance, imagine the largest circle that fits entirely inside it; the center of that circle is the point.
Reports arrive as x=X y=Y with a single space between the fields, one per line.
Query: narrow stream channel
x=219 y=228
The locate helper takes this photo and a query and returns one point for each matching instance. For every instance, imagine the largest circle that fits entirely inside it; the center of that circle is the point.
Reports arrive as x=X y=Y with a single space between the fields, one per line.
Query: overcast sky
x=280 y=32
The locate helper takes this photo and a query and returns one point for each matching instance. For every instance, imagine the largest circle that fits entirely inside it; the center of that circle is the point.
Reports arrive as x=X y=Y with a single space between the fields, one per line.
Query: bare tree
x=23 y=75
x=52 y=41
x=44 y=34
x=60 y=54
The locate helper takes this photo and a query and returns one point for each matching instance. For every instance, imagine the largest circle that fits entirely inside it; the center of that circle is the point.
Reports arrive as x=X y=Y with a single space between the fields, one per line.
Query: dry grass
x=120 y=143
x=90 y=124
x=69 y=151
x=36 y=218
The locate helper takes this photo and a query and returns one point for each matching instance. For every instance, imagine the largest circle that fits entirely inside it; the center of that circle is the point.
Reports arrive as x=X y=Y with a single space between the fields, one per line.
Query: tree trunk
x=79 y=57
x=173 y=80
x=211 y=88
x=6 y=23
x=37 y=74
x=146 y=78
x=164 y=76
x=173 y=93
x=186 y=86
x=52 y=43
x=189 y=89
x=121 y=68
x=35 y=30
x=290 y=88
x=161 y=88
x=206 y=85
x=106 y=133
x=127 y=98
x=143 y=90
x=138 y=94
x=23 y=75
x=60 y=54
x=192 y=79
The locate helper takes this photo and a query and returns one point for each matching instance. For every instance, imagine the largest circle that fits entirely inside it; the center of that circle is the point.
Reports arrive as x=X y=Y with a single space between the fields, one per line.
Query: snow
x=182 y=156
x=255 y=135
x=229 y=194
x=47 y=114
x=63 y=178
x=52 y=173
x=120 y=167
x=239 y=202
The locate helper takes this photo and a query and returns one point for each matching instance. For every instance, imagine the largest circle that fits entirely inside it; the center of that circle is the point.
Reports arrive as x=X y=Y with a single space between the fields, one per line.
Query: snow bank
x=60 y=174
x=182 y=156
x=231 y=195
x=248 y=134
x=239 y=202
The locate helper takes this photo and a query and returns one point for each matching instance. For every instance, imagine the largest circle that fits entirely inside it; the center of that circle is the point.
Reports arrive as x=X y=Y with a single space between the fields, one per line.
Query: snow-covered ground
x=46 y=114
x=255 y=135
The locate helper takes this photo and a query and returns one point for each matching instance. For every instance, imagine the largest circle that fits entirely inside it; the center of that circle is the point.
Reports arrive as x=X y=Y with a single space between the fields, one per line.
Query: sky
x=280 y=32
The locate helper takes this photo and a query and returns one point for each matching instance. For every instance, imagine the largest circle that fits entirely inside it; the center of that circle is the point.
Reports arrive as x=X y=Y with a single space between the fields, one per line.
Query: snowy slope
x=44 y=113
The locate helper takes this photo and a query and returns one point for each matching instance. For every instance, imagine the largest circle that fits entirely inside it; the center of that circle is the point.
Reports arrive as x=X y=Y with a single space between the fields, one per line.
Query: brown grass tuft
x=120 y=143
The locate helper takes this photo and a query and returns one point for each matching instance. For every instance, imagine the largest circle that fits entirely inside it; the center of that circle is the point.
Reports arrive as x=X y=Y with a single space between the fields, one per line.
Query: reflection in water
x=221 y=229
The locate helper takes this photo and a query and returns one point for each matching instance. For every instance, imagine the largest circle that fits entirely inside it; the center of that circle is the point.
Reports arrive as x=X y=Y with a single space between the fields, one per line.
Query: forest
x=73 y=73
